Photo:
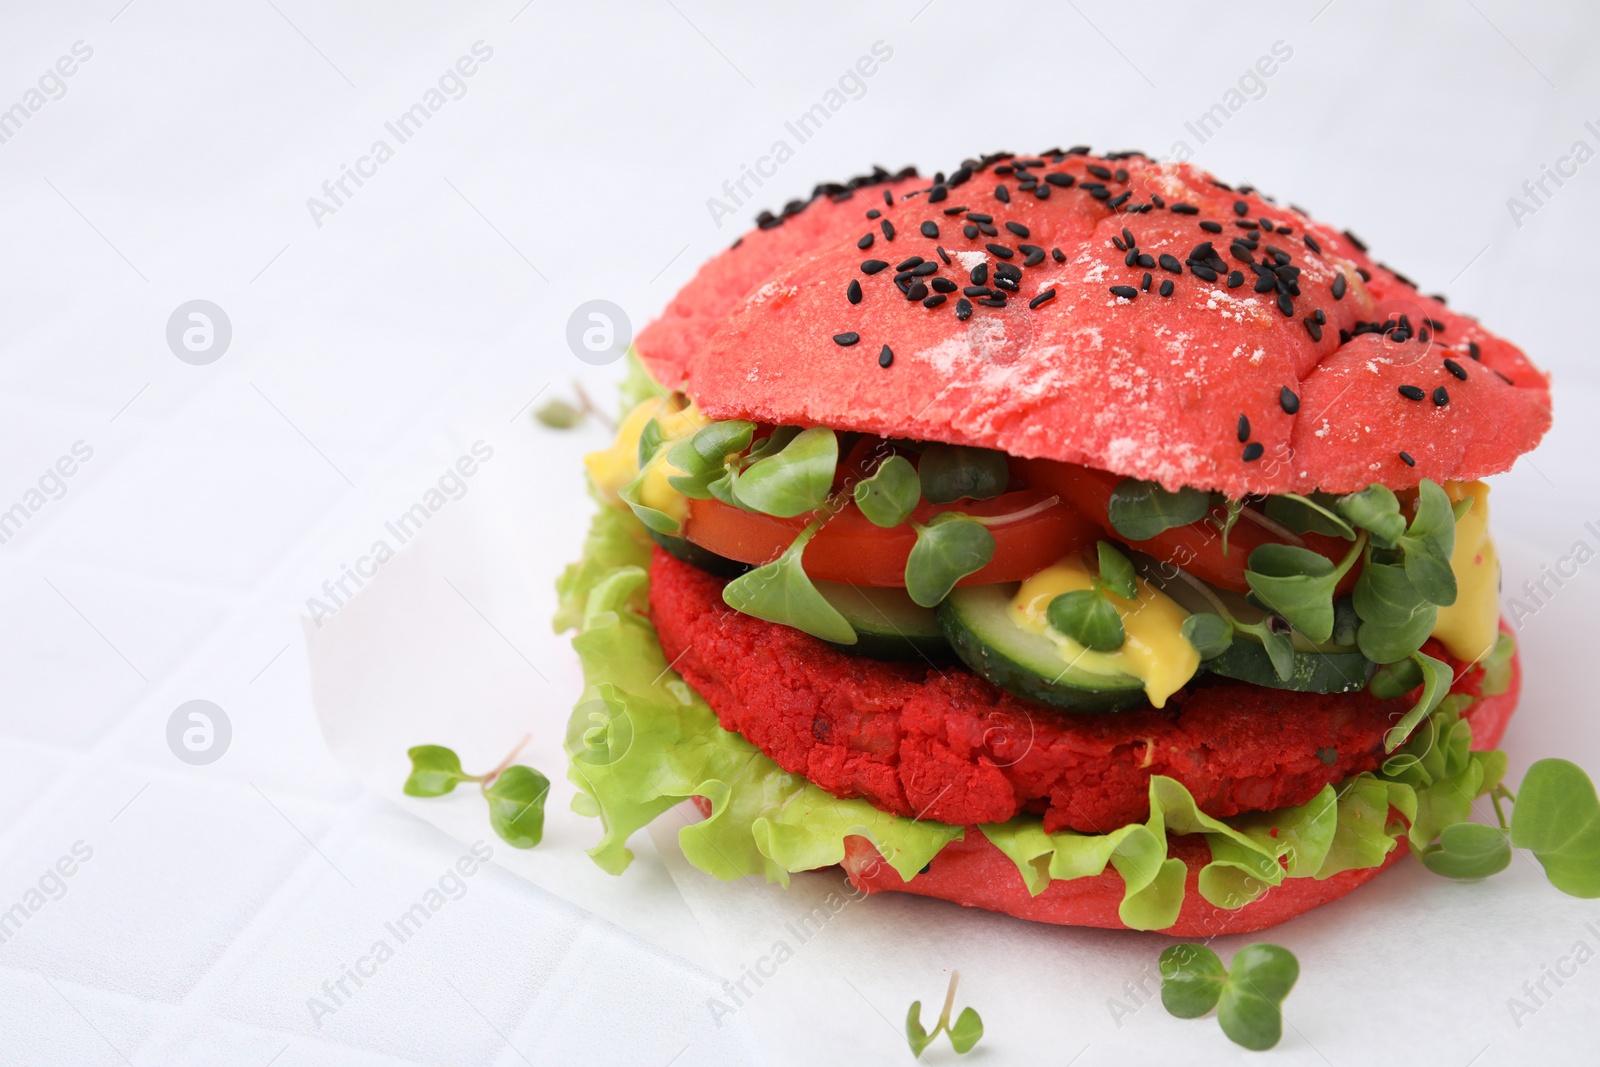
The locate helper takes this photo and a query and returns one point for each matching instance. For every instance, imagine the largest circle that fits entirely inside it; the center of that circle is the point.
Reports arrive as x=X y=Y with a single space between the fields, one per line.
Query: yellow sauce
x=612 y=468
x=1155 y=651
x=1468 y=628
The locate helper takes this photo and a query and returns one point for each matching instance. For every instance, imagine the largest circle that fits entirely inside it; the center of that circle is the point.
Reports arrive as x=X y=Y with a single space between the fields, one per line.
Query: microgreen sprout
x=1248 y=997
x=964 y=1032
x=515 y=793
x=1087 y=615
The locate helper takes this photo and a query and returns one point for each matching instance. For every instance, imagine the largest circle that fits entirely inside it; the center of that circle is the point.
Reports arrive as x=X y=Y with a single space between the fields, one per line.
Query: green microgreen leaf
x=1140 y=510
x=435 y=770
x=964 y=1033
x=1436 y=679
x=917 y=1037
x=559 y=415
x=1395 y=618
x=1251 y=1008
x=1428 y=544
x=774 y=442
x=1248 y=996
x=1116 y=573
x=1377 y=510
x=1394 y=680
x=1299 y=585
x=1313 y=514
x=1192 y=977
x=516 y=805
x=1274 y=634
x=889 y=496
x=1210 y=634
x=950 y=547
x=1087 y=617
x=1468 y=851
x=793 y=481
x=1557 y=818
x=703 y=457
x=957 y=472
x=781 y=592
x=650 y=439
x=655 y=519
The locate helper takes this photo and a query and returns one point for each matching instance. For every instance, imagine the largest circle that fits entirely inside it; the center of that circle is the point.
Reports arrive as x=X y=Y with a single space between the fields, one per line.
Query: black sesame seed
x=1441 y=396
x=1157 y=201
x=873 y=266
x=1131 y=258
x=925 y=268
x=1064 y=180
x=942 y=254
x=935 y=300
x=942 y=285
x=909 y=262
x=853 y=292
x=1235 y=280
x=1285 y=305
x=1002 y=281
x=993 y=302
x=1211 y=227
x=999 y=250
x=865 y=242
x=845 y=340
x=1288 y=400
x=1145 y=260
x=888 y=229
x=1473 y=350
x=1312 y=244
x=1128 y=238
x=963 y=309
x=886 y=356
x=980 y=274
x=1338 y=286
x=1185 y=209
x=1456 y=369
x=1170 y=263
x=930 y=229
x=1167 y=287
x=1042 y=298
x=1099 y=192
x=958 y=209
x=938 y=193
x=1253 y=451
x=1098 y=171
x=1241 y=208
x=1017 y=228
x=1126 y=292
x=1040 y=190
x=917 y=291
x=1266 y=283
x=1244 y=428
x=888 y=198
x=977 y=290
x=969 y=231
x=1411 y=392
x=978 y=216
x=1313 y=327
x=1200 y=270
x=1120 y=175
x=1058 y=255
x=1002 y=194
x=1144 y=286
x=1405 y=457
x=1120 y=200
x=874 y=214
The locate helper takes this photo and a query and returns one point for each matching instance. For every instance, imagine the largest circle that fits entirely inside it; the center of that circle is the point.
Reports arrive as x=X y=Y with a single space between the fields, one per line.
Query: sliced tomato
x=849 y=548
x=1197 y=547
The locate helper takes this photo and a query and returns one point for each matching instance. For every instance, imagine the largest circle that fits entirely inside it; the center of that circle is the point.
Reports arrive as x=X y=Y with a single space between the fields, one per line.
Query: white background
x=370 y=351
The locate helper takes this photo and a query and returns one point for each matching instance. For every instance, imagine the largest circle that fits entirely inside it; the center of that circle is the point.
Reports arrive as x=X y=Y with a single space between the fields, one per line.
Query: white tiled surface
x=369 y=352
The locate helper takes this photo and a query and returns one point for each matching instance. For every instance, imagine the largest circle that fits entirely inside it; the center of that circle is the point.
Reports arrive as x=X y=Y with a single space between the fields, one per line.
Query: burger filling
x=1137 y=630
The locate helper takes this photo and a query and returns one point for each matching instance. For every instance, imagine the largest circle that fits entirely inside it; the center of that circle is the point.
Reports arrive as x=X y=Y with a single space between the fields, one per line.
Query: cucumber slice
x=1246 y=660
x=977 y=622
x=695 y=556
x=887 y=622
